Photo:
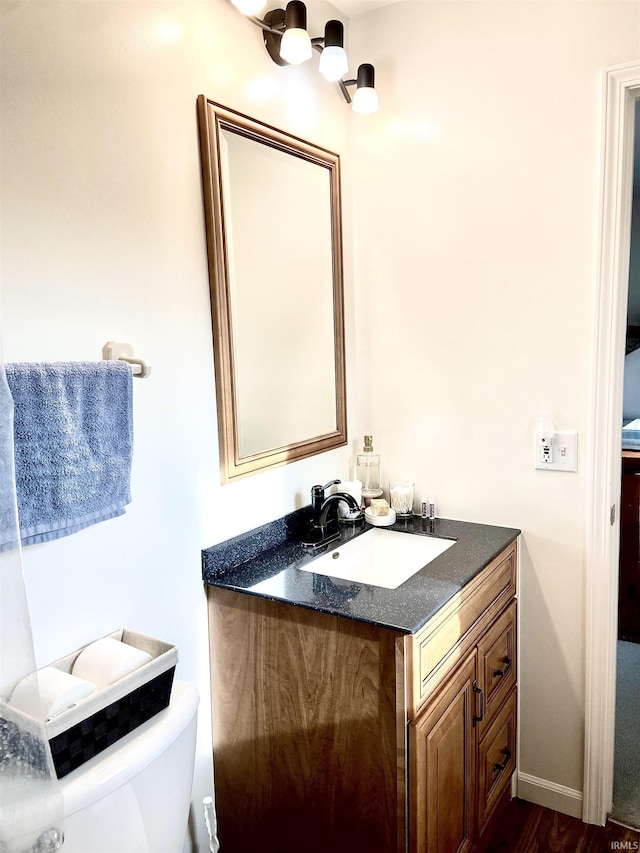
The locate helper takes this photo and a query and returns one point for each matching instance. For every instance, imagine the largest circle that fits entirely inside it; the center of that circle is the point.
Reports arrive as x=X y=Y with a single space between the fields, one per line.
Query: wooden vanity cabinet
x=463 y=726
x=335 y=734
x=462 y=746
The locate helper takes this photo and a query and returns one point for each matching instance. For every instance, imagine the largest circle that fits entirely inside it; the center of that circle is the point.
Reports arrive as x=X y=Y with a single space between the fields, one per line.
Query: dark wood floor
x=525 y=828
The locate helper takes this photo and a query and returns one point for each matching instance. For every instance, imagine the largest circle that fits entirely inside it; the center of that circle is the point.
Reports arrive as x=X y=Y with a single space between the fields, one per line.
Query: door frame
x=621 y=90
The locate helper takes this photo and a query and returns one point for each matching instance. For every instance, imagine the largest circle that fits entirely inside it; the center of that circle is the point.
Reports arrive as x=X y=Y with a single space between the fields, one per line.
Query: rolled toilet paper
x=49 y=692
x=108 y=660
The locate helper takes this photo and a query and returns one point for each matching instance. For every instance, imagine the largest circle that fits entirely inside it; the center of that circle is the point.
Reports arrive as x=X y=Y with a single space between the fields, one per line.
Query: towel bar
x=117 y=351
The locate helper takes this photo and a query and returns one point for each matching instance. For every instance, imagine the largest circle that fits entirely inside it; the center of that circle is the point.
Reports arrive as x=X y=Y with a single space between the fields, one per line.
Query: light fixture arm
x=264 y=26
x=345 y=91
x=273 y=27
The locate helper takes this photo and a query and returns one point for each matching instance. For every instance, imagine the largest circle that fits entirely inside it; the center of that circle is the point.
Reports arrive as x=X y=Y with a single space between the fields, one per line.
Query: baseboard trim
x=550 y=795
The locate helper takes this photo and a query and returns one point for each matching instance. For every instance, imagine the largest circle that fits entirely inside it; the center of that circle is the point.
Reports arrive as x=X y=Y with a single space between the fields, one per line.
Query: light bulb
x=249 y=7
x=333 y=59
x=295 y=47
x=365 y=99
x=333 y=63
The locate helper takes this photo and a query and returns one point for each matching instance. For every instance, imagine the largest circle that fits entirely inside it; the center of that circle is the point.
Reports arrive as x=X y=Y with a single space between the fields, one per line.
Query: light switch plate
x=564 y=454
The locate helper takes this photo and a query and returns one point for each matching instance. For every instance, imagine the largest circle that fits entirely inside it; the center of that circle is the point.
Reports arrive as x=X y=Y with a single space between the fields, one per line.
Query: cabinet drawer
x=496 y=760
x=497 y=665
x=437 y=648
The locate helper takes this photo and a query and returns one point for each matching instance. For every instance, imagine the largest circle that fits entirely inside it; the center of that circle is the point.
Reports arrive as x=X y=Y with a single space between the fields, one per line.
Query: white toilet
x=134 y=797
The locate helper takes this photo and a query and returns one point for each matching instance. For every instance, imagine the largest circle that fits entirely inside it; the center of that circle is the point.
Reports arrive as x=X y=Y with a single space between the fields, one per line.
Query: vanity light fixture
x=288 y=43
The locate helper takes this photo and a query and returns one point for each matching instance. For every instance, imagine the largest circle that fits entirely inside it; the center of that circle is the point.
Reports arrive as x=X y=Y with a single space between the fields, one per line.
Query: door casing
x=621 y=91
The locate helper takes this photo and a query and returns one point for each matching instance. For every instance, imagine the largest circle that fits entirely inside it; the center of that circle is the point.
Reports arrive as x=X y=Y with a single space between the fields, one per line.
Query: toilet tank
x=134 y=797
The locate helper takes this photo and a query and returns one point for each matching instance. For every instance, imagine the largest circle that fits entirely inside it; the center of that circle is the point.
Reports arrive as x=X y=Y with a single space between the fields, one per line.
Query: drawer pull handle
x=498 y=673
x=507 y=755
x=480 y=693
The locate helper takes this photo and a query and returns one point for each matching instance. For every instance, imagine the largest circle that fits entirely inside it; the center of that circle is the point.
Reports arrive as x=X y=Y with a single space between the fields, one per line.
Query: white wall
x=475 y=224
x=103 y=238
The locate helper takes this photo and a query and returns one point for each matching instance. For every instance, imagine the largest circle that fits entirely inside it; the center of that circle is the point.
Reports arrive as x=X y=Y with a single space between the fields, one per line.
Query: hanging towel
x=73 y=434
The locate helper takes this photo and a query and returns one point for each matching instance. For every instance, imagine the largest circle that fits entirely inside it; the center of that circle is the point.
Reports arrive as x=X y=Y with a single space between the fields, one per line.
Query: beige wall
x=103 y=238
x=469 y=315
x=476 y=219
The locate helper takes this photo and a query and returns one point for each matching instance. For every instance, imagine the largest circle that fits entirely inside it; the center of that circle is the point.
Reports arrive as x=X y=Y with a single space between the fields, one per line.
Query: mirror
x=274 y=244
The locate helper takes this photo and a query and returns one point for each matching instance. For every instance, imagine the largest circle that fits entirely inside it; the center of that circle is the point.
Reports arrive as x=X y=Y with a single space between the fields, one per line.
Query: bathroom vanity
x=352 y=717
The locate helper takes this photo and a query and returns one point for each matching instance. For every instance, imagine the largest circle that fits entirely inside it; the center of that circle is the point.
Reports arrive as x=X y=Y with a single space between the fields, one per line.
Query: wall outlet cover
x=564 y=452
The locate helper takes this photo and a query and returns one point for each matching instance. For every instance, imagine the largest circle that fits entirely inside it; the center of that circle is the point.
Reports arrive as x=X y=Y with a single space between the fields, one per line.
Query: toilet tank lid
x=121 y=762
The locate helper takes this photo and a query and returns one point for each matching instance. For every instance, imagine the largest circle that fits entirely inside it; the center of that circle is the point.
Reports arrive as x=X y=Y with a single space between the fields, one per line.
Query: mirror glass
x=272 y=206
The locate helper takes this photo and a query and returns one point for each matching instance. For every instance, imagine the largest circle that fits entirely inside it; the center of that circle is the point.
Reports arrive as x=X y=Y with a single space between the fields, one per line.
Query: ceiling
x=351 y=8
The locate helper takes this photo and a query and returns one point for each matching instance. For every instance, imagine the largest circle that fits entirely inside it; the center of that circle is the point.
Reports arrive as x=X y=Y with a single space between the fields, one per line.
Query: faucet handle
x=330 y=483
x=317 y=494
x=318 y=491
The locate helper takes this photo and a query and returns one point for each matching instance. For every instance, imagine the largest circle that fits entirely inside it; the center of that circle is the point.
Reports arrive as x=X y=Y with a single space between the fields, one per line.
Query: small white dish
x=380 y=520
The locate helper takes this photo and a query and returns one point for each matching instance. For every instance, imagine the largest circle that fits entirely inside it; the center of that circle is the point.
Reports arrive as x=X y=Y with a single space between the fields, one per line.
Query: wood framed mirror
x=274 y=243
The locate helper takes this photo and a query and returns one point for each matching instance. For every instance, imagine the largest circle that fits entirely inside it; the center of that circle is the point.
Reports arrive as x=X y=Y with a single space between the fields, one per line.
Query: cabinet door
x=443 y=767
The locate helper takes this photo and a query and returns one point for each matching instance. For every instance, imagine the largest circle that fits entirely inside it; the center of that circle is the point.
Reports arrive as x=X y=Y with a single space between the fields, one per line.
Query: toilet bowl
x=134 y=797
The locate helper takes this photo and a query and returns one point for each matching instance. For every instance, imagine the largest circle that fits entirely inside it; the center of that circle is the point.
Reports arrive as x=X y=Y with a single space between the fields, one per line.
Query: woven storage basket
x=80 y=733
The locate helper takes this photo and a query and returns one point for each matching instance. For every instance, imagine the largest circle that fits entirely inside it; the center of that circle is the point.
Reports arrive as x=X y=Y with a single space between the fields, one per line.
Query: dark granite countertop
x=266 y=562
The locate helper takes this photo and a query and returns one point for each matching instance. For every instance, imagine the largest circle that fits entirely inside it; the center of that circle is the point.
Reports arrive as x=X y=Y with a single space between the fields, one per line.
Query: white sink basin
x=385 y=558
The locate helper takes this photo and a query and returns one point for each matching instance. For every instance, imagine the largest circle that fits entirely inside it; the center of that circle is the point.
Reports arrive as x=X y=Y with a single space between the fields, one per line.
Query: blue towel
x=73 y=435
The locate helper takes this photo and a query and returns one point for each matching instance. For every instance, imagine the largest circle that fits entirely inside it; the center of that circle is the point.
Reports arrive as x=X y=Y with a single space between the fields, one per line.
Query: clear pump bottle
x=368 y=468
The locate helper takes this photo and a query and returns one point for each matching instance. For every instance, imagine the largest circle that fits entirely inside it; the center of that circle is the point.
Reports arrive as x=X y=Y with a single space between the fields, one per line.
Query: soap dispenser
x=368 y=471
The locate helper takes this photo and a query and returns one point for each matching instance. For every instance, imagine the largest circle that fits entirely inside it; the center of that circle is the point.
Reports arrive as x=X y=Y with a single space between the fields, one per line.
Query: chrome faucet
x=322 y=530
